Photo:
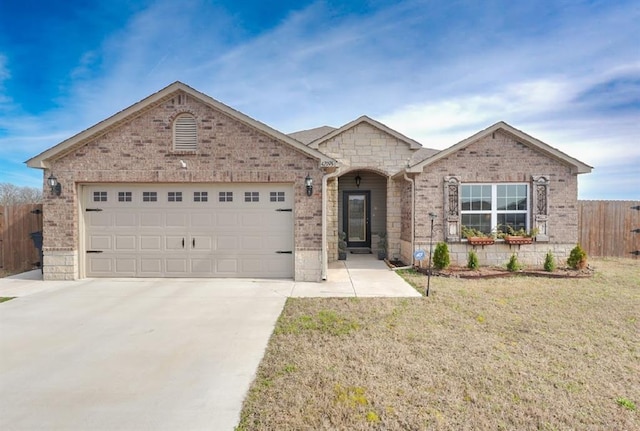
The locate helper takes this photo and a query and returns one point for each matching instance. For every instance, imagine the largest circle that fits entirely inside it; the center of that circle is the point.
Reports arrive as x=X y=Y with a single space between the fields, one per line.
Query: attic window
x=185 y=133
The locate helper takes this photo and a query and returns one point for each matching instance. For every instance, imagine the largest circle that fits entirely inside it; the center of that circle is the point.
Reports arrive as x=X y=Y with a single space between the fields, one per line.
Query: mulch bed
x=496 y=272
x=493 y=272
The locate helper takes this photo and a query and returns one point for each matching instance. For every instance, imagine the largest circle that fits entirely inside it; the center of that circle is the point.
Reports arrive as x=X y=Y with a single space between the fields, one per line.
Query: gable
x=515 y=136
x=364 y=120
x=146 y=142
x=173 y=92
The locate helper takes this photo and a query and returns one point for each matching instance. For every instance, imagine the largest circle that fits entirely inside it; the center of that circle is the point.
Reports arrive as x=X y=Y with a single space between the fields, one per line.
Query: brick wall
x=494 y=159
x=140 y=150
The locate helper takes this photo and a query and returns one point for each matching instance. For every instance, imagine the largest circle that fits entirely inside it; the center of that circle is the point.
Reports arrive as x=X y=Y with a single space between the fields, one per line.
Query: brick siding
x=140 y=150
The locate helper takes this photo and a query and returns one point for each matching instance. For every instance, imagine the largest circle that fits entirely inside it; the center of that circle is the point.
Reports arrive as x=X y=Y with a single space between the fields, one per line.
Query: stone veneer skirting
x=498 y=254
x=308 y=264
x=60 y=265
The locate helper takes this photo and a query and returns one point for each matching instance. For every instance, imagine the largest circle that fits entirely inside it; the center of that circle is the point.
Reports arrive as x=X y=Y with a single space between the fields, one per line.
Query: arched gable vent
x=185 y=136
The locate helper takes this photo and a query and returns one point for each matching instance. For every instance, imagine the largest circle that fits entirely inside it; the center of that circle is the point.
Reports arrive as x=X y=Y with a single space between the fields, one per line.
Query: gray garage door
x=194 y=230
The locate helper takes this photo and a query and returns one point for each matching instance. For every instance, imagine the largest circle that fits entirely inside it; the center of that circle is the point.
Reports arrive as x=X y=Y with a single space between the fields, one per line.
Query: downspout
x=325 y=253
x=413 y=209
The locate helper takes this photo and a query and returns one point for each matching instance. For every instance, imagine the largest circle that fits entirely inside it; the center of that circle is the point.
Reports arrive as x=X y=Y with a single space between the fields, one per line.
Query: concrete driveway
x=133 y=355
x=148 y=354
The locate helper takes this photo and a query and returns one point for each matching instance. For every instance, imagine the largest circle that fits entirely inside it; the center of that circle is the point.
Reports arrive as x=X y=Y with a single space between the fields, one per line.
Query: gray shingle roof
x=308 y=136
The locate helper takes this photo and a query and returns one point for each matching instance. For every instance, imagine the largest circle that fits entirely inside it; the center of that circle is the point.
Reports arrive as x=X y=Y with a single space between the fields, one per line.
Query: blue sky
x=566 y=72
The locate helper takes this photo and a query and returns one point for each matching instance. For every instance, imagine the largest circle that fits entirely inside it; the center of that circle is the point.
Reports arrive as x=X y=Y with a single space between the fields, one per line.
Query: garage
x=187 y=230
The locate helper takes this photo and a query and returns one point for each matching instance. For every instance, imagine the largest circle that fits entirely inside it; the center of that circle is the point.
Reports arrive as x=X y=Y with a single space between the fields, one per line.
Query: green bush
x=577 y=258
x=472 y=260
x=441 y=258
x=549 y=262
x=513 y=265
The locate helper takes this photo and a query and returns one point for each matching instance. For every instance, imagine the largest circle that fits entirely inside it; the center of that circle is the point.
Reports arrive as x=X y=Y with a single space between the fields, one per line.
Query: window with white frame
x=487 y=207
x=185 y=133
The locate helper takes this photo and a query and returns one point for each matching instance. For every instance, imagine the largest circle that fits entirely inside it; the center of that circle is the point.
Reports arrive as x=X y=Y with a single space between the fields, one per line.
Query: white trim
x=494 y=212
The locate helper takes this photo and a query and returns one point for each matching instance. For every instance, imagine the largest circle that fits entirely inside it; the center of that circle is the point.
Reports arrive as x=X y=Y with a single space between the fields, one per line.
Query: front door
x=356 y=210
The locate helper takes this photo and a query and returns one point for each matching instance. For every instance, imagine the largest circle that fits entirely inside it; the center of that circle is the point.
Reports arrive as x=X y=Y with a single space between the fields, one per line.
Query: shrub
x=549 y=262
x=441 y=258
x=577 y=258
x=472 y=260
x=513 y=265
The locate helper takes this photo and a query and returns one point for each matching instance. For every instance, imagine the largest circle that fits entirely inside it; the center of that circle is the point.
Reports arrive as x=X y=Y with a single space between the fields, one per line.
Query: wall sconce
x=56 y=188
x=308 y=182
x=358 y=180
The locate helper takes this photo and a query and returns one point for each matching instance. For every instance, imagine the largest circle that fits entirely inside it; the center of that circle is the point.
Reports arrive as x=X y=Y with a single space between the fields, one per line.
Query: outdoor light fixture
x=308 y=182
x=358 y=180
x=432 y=216
x=54 y=184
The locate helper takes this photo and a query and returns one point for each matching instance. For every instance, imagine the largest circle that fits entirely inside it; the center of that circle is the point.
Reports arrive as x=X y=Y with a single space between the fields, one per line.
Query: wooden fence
x=17 y=251
x=609 y=228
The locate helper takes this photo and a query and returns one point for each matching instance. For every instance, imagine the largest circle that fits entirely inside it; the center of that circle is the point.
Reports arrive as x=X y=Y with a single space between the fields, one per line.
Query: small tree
x=549 y=262
x=577 y=258
x=472 y=260
x=441 y=258
x=513 y=265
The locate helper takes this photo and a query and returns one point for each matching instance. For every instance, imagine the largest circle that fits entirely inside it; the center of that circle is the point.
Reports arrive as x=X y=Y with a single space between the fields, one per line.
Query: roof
x=40 y=161
x=308 y=136
x=414 y=145
x=577 y=166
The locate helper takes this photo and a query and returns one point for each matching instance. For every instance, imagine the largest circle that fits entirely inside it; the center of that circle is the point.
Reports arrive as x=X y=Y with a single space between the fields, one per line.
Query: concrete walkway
x=361 y=275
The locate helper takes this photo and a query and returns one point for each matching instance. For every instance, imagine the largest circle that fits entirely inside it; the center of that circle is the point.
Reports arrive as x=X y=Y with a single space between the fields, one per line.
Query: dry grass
x=516 y=353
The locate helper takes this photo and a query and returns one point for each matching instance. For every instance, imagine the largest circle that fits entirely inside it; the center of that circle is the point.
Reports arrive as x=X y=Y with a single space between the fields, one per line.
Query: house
x=181 y=185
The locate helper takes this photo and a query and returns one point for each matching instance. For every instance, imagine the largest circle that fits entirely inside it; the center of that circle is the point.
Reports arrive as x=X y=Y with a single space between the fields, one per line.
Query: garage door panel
x=151 y=220
x=228 y=243
x=222 y=236
x=176 y=220
x=227 y=219
x=201 y=242
x=100 y=265
x=125 y=220
x=202 y=220
x=151 y=266
x=252 y=221
x=98 y=219
x=202 y=266
x=227 y=266
x=100 y=242
x=125 y=243
x=174 y=242
x=150 y=242
x=176 y=266
x=126 y=266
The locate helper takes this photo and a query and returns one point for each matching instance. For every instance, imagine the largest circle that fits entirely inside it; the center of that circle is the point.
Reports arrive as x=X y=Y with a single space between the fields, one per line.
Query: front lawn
x=508 y=353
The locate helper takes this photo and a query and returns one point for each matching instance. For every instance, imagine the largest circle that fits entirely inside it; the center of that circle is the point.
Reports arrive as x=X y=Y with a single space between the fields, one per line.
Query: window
x=200 y=196
x=276 y=196
x=149 y=196
x=488 y=206
x=251 y=196
x=225 y=196
x=185 y=136
x=174 y=196
x=124 y=196
x=99 y=196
